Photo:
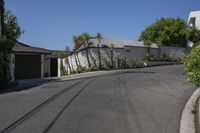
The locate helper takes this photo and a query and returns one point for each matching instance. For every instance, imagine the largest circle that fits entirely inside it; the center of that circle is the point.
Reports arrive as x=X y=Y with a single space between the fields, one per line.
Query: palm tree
x=76 y=41
x=86 y=38
x=74 y=53
x=79 y=42
x=99 y=37
x=111 y=48
x=2 y=10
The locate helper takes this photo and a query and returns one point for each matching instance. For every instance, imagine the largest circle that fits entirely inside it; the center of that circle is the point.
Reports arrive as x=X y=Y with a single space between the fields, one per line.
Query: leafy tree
x=167 y=32
x=86 y=38
x=99 y=37
x=12 y=30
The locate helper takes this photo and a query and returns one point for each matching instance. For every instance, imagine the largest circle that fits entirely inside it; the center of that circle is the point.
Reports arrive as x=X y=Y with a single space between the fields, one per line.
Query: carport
x=28 y=61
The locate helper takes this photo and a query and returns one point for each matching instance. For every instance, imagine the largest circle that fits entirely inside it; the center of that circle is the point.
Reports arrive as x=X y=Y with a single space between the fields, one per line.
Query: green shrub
x=132 y=63
x=121 y=63
x=161 y=58
x=93 y=68
x=73 y=71
x=5 y=49
x=64 y=70
x=94 y=62
x=81 y=69
x=106 y=64
x=192 y=65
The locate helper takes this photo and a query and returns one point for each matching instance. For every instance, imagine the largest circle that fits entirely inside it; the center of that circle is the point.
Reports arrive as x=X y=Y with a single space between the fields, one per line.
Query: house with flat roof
x=194 y=19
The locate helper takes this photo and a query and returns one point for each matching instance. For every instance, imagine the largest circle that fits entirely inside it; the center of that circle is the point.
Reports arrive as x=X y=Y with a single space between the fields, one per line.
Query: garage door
x=27 y=66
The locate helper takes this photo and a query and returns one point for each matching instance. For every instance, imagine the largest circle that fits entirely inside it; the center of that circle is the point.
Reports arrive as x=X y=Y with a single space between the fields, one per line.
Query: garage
x=27 y=66
x=29 y=61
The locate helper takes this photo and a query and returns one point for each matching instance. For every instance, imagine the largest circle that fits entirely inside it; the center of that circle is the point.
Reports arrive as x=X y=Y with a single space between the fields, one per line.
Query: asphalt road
x=147 y=100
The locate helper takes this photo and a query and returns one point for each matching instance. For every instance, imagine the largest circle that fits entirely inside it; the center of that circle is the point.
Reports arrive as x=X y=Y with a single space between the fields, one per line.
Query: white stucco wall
x=129 y=53
x=175 y=52
x=59 y=67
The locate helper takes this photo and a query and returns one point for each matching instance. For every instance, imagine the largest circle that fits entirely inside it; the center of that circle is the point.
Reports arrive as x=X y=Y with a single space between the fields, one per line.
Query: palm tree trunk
x=78 y=60
x=75 y=59
x=88 y=60
x=99 y=56
x=112 y=63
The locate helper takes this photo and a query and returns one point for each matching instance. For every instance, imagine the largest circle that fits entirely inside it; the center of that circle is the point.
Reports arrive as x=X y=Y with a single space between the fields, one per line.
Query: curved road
x=145 y=100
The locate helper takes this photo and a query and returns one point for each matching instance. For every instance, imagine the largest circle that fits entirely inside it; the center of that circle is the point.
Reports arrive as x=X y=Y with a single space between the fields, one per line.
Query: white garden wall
x=128 y=52
x=175 y=52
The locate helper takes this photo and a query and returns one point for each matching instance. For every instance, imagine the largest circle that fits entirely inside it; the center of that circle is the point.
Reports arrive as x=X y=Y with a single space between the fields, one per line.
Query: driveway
x=145 y=100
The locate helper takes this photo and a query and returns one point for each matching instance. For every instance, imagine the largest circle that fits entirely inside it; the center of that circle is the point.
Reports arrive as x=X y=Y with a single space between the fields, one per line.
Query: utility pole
x=2 y=10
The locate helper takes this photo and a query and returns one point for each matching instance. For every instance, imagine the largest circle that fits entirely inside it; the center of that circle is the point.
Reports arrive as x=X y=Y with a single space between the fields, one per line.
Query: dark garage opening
x=27 y=66
x=54 y=67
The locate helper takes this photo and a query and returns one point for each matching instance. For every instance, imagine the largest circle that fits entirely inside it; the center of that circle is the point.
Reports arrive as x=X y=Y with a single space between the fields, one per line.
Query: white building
x=194 y=19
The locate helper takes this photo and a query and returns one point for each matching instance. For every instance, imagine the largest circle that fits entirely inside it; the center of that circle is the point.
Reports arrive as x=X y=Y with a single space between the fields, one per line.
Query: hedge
x=5 y=49
x=192 y=66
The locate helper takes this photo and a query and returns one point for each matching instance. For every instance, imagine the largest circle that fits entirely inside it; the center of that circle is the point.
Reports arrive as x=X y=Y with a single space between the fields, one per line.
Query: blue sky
x=51 y=24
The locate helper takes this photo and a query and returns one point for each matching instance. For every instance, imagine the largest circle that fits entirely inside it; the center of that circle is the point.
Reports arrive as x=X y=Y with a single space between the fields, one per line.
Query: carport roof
x=24 y=48
x=59 y=53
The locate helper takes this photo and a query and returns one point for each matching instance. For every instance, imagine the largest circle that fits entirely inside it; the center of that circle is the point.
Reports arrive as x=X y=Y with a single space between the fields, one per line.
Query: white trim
x=42 y=66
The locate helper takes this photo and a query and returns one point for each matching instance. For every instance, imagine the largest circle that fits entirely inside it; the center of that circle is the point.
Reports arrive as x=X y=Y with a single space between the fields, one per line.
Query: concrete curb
x=187 y=124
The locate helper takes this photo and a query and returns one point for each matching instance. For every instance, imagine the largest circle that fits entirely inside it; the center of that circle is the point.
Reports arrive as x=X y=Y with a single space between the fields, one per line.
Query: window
x=192 y=21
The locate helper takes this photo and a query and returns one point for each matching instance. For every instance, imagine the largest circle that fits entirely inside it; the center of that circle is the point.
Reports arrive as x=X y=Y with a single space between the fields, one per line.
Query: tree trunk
x=78 y=60
x=99 y=56
x=149 y=50
x=125 y=62
x=88 y=60
x=75 y=59
x=159 y=50
x=2 y=10
x=112 y=63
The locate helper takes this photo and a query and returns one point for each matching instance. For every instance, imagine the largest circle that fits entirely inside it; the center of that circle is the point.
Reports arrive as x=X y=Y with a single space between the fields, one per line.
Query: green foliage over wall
x=192 y=65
